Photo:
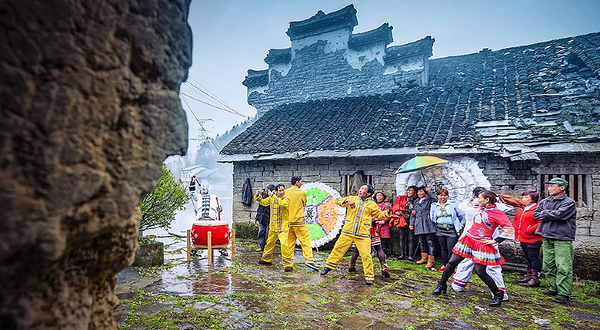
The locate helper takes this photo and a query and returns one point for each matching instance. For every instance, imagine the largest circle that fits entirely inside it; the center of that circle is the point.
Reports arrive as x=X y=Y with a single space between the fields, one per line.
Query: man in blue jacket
x=557 y=213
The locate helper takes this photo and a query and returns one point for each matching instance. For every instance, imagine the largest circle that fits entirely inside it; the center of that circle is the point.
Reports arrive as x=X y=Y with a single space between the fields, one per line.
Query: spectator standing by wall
x=525 y=226
x=557 y=213
x=263 y=216
x=424 y=228
x=384 y=228
x=448 y=220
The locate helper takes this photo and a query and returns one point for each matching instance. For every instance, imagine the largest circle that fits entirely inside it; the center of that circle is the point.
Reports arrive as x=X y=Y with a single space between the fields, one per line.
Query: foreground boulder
x=90 y=108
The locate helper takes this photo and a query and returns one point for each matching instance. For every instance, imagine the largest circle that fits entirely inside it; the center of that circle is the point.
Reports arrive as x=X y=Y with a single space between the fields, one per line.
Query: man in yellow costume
x=298 y=227
x=278 y=227
x=360 y=211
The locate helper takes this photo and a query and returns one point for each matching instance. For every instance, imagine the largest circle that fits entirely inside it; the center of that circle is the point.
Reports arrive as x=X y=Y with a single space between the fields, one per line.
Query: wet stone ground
x=245 y=295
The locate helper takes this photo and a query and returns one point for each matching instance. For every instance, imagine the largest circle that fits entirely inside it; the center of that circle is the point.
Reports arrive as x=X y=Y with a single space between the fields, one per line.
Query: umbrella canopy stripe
x=420 y=162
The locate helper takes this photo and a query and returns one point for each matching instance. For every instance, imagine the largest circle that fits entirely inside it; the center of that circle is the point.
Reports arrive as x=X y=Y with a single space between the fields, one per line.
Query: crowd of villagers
x=422 y=220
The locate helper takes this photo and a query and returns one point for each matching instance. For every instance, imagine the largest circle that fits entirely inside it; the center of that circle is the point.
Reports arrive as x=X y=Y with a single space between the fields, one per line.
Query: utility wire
x=211 y=96
x=214 y=106
x=200 y=123
x=205 y=90
x=211 y=93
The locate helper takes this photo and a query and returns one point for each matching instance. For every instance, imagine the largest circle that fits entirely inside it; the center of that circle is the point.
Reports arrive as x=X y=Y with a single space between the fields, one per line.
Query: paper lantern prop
x=322 y=215
x=460 y=175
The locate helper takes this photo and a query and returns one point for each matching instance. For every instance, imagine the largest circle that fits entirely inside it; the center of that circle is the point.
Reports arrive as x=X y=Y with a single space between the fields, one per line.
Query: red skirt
x=469 y=247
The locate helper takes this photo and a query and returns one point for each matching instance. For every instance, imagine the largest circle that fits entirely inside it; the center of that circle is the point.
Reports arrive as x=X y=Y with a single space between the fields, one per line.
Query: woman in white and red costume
x=478 y=244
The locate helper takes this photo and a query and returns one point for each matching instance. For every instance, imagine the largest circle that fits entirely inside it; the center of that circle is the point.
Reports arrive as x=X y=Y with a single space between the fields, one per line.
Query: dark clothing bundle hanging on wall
x=247 y=193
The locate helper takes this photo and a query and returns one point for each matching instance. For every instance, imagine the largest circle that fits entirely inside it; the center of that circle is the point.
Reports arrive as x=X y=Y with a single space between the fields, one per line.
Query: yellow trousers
x=286 y=256
x=364 y=249
x=302 y=234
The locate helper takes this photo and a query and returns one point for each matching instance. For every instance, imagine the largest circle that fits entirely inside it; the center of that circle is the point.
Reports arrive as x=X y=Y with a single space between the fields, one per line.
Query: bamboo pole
x=233 y=245
x=188 y=245
x=210 y=250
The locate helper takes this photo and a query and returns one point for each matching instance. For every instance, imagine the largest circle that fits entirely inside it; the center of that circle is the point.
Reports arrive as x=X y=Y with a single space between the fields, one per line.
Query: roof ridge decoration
x=380 y=34
x=321 y=23
x=419 y=47
x=256 y=78
x=279 y=56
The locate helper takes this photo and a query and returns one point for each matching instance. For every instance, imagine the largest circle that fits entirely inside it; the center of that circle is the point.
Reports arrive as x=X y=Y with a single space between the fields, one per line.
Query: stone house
x=336 y=103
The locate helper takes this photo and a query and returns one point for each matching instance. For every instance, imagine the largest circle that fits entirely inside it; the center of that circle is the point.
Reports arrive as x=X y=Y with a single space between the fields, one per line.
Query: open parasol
x=459 y=176
x=419 y=163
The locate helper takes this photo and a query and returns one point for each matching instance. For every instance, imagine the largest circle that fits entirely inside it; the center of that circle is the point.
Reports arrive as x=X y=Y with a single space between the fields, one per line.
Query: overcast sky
x=232 y=36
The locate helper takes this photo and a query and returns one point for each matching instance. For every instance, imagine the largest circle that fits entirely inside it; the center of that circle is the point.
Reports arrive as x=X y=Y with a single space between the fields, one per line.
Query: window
x=351 y=182
x=576 y=189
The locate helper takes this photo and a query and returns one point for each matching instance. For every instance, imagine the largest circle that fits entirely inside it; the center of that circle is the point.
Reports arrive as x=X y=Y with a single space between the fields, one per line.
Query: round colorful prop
x=322 y=215
x=458 y=175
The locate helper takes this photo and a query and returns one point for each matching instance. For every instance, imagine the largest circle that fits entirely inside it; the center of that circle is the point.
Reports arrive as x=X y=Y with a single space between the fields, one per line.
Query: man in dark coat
x=263 y=216
x=557 y=213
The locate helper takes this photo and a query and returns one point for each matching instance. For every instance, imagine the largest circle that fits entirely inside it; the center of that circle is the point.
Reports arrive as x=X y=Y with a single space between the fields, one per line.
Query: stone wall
x=333 y=75
x=90 y=108
x=505 y=176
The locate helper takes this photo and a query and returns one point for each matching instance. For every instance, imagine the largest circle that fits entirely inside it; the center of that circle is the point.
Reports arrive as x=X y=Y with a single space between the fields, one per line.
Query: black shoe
x=442 y=287
x=262 y=262
x=561 y=299
x=551 y=293
x=400 y=257
x=288 y=269
x=411 y=258
x=497 y=299
x=325 y=271
x=369 y=282
x=312 y=266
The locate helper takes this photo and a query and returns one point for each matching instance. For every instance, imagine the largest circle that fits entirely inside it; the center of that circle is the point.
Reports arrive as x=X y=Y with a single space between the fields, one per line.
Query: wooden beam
x=571 y=186
x=188 y=245
x=580 y=187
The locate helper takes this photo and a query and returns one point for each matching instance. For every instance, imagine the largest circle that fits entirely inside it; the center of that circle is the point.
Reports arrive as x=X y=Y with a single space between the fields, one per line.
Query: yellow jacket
x=279 y=211
x=297 y=203
x=358 y=219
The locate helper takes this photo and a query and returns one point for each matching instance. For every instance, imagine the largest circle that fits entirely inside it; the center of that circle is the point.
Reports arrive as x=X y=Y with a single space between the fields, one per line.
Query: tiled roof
x=541 y=93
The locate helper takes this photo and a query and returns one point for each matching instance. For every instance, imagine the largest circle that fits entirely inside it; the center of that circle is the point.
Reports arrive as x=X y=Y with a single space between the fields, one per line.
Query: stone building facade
x=331 y=108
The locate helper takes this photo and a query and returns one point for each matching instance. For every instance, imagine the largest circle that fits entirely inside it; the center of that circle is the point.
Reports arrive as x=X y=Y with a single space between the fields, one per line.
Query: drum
x=220 y=234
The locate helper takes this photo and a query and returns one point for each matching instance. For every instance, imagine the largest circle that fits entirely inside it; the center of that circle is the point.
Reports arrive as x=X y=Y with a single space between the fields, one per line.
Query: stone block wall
x=323 y=75
x=504 y=175
x=327 y=61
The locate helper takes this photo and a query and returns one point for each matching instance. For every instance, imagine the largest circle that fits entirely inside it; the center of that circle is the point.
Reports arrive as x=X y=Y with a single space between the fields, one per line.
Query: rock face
x=90 y=108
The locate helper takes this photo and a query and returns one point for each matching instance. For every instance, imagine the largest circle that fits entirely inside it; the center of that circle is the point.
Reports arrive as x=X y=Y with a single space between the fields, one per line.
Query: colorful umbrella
x=419 y=163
